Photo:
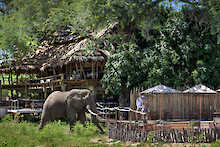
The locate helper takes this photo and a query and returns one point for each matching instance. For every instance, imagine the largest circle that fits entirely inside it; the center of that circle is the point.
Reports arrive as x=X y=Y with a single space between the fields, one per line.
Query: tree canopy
x=158 y=41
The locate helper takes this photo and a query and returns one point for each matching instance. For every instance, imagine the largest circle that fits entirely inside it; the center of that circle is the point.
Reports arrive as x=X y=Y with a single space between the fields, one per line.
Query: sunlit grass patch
x=55 y=134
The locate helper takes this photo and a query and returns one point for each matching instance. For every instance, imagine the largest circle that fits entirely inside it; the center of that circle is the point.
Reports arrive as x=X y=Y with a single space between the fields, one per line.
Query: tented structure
x=199 y=89
x=160 y=89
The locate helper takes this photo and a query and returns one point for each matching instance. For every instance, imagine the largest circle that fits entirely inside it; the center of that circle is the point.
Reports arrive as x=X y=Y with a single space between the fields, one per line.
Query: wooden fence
x=181 y=106
x=169 y=132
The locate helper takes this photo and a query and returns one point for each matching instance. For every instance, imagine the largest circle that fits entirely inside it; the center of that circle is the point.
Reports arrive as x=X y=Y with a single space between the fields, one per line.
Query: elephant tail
x=43 y=118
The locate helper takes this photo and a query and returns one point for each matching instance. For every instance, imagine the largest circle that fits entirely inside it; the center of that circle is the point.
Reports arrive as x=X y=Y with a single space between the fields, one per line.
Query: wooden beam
x=82 y=70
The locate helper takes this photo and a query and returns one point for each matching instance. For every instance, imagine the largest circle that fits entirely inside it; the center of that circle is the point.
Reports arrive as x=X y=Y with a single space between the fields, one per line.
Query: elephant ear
x=85 y=95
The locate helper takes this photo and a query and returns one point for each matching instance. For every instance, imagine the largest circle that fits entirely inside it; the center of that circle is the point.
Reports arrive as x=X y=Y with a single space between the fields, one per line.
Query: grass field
x=56 y=134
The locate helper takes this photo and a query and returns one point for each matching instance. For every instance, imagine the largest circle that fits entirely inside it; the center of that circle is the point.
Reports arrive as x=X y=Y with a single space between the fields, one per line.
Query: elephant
x=70 y=104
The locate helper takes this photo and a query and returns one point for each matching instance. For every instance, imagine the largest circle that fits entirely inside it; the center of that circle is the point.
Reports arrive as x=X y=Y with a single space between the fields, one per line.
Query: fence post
x=200 y=107
x=1 y=90
x=63 y=85
x=26 y=89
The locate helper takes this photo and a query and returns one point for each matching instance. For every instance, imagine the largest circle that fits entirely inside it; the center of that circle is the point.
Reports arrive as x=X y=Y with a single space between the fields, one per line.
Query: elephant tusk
x=90 y=111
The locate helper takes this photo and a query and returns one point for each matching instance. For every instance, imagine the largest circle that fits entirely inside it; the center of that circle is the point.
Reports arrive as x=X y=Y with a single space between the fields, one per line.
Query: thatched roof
x=159 y=89
x=15 y=66
x=74 y=50
x=199 y=89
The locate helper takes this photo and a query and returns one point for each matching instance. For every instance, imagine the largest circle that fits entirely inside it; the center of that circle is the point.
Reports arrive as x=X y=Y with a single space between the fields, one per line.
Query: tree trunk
x=124 y=101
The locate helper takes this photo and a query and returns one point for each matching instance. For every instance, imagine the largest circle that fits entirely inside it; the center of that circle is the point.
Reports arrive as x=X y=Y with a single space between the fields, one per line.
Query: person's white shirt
x=140 y=103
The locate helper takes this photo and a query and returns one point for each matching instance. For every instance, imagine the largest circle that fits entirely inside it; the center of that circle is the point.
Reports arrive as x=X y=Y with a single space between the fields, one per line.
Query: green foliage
x=182 y=53
x=181 y=58
x=123 y=68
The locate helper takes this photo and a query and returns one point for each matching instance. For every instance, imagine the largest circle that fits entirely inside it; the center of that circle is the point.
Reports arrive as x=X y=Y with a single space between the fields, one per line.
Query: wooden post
x=12 y=79
x=63 y=86
x=93 y=70
x=1 y=90
x=3 y=79
x=160 y=102
x=200 y=114
x=52 y=87
x=78 y=71
x=82 y=70
x=26 y=89
x=132 y=104
x=45 y=91
x=16 y=84
x=67 y=76
x=70 y=72
x=97 y=70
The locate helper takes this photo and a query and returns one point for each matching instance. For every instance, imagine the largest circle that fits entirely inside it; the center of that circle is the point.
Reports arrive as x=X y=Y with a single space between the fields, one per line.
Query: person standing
x=140 y=106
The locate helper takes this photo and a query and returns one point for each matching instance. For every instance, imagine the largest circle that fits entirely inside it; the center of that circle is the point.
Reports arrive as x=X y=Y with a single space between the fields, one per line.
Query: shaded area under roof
x=160 y=89
x=199 y=89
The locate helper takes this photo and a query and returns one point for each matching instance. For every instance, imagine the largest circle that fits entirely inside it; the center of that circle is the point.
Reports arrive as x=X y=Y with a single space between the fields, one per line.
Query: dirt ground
x=112 y=142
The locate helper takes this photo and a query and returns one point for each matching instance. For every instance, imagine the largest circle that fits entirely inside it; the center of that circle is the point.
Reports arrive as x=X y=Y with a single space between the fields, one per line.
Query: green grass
x=56 y=134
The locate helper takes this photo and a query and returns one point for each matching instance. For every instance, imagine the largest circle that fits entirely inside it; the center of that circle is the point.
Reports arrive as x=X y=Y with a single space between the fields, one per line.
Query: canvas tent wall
x=181 y=106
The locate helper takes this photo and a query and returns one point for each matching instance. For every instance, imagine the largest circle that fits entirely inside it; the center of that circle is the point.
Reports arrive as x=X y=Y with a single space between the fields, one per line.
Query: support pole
x=3 y=78
x=160 y=100
x=132 y=104
x=63 y=86
x=45 y=91
x=97 y=70
x=82 y=70
x=26 y=90
x=93 y=74
x=1 y=90
x=200 y=108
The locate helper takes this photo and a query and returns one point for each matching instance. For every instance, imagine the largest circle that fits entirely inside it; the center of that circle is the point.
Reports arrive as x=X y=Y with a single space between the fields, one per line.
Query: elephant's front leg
x=72 y=118
x=82 y=117
x=96 y=122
